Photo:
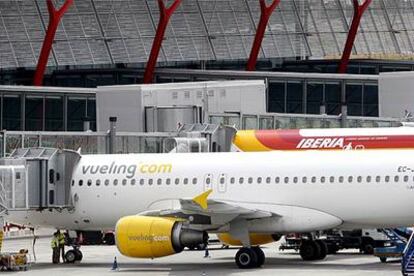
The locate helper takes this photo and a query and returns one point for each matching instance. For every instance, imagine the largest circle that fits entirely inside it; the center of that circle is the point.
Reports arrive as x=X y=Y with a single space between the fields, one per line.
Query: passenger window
x=195 y=181
x=341 y=179
x=18 y=176
x=57 y=176
x=304 y=179
x=332 y=179
x=124 y=182
x=241 y=180
x=268 y=180
x=232 y=180
x=98 y=182
x=177 y=181
x=378 y=179
x=359 y=179
x=259 y=180
x=323 y=179
x=115 y=182
x=185 y=181
x=277 y=180
x=250 y=180
x=350 y=179
x=406 y=178
x=313 y=179
x=106 y=182
x=89 y=182
x=133 y=181
x=387 y=179
x=73 y=182
x=80 y=182
x=150 y=181
x=142 y=181
x=221 y=180
x=368 y=179
x=168 y=181
x=286 y=180
x=295 y=180
x=396 y=178
x=159 y=181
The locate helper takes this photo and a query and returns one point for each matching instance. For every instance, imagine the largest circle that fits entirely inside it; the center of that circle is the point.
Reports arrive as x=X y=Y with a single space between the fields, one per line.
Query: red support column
x=54 y=19
x=165 y=15
x=359 y=10
x=266 y=12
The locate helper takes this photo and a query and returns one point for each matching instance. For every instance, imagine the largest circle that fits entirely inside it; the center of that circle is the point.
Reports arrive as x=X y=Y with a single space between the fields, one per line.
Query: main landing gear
x=312 y=250
x=250 y=257
x=73 y=255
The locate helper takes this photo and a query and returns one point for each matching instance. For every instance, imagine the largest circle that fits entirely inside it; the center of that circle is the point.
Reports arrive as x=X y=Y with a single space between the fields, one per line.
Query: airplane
x=325 y=139
x=158 y=204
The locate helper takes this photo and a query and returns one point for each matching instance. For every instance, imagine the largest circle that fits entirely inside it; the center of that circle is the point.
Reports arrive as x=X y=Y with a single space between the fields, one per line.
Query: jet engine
x=153 y=237
x=255 y=239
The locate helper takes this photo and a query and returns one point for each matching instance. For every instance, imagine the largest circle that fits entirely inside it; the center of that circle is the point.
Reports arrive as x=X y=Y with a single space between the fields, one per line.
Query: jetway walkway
x=36 y=179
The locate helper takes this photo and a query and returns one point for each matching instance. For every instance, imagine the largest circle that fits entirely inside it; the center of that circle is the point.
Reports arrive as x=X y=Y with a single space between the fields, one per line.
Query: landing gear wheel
x=70 y=256
x=368 y=249
x=79 y=255
x=309 y=250
x=383 y=259
x=324 y=249
x=246 y=258
x=260 y=256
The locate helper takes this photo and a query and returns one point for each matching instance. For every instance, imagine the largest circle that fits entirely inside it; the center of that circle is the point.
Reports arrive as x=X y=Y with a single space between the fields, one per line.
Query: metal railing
x=295 y=121
x=408 y=254
x=88 y=142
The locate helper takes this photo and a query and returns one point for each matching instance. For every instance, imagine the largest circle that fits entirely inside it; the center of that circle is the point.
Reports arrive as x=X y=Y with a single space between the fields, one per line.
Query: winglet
x=202 y=199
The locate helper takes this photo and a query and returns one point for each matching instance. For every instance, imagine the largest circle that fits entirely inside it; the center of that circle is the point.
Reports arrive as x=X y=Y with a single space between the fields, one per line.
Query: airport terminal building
x=105 y=43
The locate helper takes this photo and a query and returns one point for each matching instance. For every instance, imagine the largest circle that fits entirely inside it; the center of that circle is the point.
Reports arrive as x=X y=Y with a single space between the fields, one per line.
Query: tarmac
x=98 y=260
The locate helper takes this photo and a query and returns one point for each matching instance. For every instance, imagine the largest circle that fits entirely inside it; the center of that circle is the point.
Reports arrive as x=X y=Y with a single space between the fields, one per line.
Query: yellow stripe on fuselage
x=246 y=141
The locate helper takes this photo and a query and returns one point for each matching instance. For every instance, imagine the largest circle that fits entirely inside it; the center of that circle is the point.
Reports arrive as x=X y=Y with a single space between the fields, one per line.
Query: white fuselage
x=380 y=193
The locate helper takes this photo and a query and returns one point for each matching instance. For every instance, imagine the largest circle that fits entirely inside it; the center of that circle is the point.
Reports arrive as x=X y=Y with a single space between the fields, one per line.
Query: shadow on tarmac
x=337 y=262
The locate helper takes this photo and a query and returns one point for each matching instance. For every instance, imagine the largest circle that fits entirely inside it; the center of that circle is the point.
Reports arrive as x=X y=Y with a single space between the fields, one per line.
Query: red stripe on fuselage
x=292 y=140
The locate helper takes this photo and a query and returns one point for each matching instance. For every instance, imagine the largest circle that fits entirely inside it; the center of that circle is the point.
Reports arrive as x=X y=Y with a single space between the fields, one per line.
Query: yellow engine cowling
x=153 y=237
x=255 y=239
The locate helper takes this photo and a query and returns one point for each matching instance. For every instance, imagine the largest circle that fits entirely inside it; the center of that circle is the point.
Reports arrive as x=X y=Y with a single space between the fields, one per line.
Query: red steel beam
x=266 y=12
x=55 y=17
x=359 y=10
x=165 y=15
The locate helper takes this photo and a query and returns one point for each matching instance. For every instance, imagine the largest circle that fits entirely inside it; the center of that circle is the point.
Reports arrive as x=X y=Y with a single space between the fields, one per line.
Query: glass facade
x=45 y=112
x=122 y=31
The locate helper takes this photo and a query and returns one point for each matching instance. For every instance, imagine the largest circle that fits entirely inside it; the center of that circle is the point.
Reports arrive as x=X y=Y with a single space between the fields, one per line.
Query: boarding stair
x=407 y=262
x=394 y=235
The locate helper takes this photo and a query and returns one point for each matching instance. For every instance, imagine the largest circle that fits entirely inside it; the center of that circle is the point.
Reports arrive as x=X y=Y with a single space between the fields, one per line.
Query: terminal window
x=12 y=118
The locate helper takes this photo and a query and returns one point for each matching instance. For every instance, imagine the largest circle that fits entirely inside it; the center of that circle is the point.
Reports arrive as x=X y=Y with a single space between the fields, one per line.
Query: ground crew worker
x=55 y=248
x=61 y=238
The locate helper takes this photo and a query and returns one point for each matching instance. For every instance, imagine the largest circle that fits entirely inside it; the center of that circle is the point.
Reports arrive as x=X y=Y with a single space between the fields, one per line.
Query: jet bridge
x=36 y=179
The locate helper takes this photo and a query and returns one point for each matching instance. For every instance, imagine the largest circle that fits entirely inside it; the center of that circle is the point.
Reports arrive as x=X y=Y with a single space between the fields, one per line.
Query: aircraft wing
x=201 y=210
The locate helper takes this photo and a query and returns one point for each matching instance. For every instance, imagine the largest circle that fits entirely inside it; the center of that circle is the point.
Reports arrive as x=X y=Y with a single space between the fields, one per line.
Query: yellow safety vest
x=1 y=239
x=54 y=243
x=61 y=238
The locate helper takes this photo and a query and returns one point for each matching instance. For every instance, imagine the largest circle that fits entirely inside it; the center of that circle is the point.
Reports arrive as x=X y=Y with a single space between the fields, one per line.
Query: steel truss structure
x=95 y=32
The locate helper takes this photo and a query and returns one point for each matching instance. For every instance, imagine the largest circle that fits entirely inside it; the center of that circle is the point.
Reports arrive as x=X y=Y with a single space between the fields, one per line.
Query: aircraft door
x=208 y=182
x=222 y=183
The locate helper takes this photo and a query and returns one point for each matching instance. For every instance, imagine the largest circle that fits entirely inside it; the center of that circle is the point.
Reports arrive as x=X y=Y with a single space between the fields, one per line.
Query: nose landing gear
x=73 y=255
